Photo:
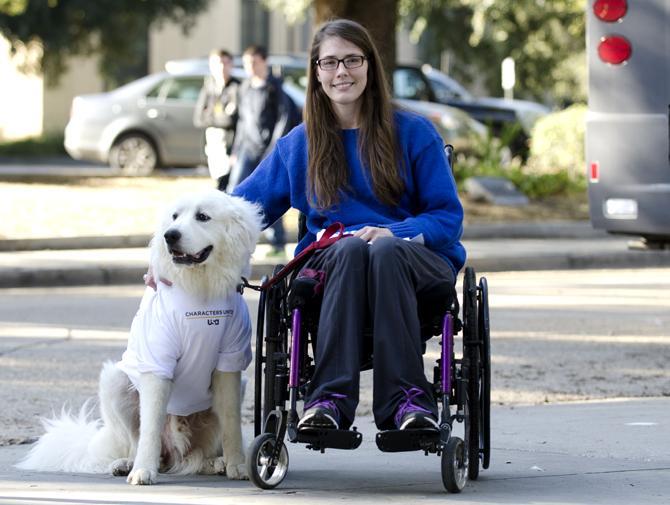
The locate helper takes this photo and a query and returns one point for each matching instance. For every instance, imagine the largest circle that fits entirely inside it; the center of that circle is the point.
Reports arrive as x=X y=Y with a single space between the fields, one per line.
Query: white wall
x=406 y=51
x=28 y=108
x=20 y=97
x=81 y=78
x=218 y=27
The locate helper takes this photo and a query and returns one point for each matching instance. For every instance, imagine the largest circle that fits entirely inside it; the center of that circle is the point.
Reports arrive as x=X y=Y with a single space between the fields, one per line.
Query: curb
x=64 y=243
x=103 y=275
x=601 y=260
x=530 y=230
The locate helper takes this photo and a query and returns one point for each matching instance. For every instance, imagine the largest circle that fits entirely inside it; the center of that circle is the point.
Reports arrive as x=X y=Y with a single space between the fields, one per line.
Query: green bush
x=557 y=143
x=487 y=156
x=46 y=145
x=555 y=165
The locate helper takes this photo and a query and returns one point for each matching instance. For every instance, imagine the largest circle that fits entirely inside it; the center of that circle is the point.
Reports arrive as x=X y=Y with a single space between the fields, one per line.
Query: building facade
x=29 y=108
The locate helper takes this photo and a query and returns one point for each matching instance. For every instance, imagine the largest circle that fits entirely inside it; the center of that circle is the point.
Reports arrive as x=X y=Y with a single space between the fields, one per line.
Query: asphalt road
x=564 y=345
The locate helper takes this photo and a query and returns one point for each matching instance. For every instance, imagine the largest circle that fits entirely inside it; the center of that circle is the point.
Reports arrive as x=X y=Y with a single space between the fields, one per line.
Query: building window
x=255 y=24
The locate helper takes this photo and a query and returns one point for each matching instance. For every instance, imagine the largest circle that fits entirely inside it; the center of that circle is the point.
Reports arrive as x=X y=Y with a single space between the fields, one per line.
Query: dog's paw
x=142 y=477
x=121 y=467
x=213 y=466
x=237 y=471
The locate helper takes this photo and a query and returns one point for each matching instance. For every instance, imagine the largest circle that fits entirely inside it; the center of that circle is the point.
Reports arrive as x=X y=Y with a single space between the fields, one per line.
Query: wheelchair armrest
x=303 y=293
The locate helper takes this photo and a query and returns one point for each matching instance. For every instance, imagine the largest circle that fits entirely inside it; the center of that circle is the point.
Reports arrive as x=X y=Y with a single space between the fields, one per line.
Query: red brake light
x=594 y=174
x=610 y=10
x=614 y=49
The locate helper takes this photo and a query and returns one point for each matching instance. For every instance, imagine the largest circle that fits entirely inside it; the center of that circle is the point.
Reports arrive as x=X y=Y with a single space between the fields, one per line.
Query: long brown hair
x=327 y=172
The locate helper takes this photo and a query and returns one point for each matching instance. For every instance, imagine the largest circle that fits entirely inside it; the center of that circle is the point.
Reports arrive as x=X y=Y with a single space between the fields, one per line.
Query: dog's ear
x=250 y=220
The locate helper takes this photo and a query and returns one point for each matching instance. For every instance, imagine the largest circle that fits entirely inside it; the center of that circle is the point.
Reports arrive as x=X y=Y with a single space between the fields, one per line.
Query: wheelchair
x=286 y=331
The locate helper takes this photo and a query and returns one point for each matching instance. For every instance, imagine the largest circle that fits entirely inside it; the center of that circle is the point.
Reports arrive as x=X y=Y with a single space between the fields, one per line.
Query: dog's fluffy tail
x=72 y=443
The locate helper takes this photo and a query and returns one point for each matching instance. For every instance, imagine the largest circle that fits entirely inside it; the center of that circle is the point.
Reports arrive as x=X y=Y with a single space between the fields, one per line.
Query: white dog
x=173 y=401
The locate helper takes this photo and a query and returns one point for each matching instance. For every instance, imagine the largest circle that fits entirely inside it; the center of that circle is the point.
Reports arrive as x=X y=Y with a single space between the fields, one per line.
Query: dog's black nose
x=172 y=236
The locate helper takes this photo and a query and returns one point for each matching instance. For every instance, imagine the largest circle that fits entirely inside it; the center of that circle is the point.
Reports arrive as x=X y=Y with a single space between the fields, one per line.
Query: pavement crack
x=574 y=474
x=32 y=345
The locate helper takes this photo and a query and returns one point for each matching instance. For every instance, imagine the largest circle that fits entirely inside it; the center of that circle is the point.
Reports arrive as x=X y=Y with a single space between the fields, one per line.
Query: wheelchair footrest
x=425 y=439
x=320 y=439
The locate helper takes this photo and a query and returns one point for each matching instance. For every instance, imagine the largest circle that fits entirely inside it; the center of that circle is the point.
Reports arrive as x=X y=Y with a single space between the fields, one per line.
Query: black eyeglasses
x=330 y=64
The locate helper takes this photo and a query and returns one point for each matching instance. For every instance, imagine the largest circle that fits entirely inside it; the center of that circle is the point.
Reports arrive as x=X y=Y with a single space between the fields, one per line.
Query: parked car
x=148 y=123
x=426 y=83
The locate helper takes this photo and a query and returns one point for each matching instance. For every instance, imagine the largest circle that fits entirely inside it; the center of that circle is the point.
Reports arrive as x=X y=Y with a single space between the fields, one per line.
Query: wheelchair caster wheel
x=454 y=465
x=265 y=471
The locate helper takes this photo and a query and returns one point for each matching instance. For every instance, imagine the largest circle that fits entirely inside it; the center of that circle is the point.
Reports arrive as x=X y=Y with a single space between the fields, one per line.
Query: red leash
x=330 y=235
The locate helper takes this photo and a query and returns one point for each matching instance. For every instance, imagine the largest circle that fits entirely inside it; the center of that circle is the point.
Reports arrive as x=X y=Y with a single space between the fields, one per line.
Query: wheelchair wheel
x=454 y=465
x=266 y=471
x=485 y=354
x=471 y=355
x=274 y=342
x=258 y=360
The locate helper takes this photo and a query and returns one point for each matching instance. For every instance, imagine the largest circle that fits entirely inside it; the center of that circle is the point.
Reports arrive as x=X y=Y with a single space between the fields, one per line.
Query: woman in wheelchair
x=383 y=173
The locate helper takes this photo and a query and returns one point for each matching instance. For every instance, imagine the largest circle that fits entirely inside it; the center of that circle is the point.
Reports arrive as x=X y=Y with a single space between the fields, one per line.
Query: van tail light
x=594 y=171
x=614 y=49
x=610 y=11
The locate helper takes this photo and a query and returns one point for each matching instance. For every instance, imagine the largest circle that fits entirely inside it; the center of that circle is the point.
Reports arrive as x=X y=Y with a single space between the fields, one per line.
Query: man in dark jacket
x=216 y=111
x=265 y=114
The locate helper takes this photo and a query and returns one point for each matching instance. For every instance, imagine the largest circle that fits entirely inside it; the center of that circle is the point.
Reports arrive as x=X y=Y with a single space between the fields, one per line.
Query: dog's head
x=204 y=242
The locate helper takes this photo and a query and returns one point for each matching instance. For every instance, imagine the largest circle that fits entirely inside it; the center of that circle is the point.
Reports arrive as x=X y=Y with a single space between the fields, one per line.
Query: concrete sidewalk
x=495 y=247
x=614 y=452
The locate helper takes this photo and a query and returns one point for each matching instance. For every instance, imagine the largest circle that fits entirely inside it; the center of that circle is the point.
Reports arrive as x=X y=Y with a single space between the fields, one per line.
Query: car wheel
x=133 y=155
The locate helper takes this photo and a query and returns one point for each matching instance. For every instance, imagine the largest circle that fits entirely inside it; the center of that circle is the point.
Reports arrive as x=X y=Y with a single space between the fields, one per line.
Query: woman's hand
x=371 y=233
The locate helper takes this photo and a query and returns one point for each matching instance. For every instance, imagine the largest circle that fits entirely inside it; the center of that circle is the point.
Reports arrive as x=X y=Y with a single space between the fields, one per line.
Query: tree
x=380 y=17
x=115 y=29
x=540 y=35
x=546 y=38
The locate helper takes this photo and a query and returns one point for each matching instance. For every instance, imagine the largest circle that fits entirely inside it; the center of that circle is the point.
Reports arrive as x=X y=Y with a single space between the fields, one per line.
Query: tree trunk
x=378 y=16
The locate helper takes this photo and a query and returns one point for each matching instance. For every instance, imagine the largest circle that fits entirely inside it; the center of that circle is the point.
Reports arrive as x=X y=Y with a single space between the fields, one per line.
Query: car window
x=183 y=88
x=409 y=84
x=295 y=76
x=155 y=91
x=444 y=93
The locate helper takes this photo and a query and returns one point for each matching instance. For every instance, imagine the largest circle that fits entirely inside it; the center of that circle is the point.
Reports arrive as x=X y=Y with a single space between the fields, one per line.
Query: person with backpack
x=216 y=111
x=265 y=113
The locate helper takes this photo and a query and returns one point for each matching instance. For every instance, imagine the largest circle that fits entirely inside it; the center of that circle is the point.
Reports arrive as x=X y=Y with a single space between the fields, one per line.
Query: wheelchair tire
x=272 y=329
x=258 y=361
x=264 y=472
x=454 y=465
x=471 y=355
x=485 y=354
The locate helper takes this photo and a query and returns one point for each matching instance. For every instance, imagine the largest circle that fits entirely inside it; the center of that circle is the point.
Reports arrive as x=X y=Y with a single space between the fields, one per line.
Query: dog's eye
x=200 y=216
x=174 y=216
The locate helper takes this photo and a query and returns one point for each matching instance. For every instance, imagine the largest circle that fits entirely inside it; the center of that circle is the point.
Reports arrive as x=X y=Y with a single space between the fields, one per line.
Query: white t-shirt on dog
x=176 y=337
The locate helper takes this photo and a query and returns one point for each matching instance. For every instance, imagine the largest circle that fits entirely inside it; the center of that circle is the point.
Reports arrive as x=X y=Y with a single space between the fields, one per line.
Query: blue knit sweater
x=429 y=207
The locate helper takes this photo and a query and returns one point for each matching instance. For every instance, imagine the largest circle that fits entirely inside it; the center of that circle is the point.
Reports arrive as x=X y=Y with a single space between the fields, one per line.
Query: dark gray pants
x=378 y=281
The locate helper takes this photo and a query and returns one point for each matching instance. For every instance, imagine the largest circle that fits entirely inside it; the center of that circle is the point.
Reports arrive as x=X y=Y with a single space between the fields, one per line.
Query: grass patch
x=46 y=145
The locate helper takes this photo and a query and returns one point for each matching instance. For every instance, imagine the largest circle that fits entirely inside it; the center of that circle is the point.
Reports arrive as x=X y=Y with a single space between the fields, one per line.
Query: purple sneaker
x=322 y=413
x=412 y=416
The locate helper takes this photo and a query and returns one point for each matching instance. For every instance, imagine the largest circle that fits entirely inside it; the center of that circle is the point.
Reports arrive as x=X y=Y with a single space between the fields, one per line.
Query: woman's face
x=344 y=86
